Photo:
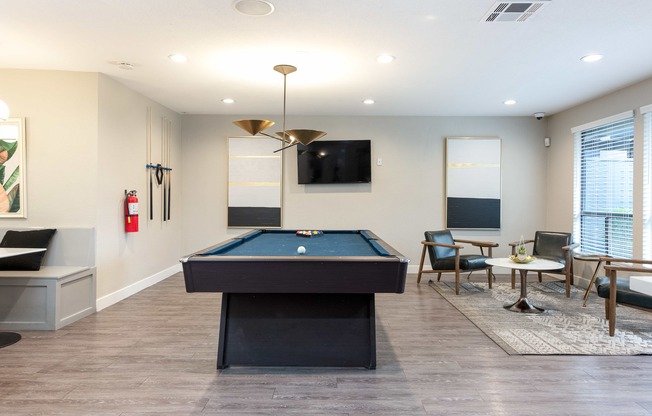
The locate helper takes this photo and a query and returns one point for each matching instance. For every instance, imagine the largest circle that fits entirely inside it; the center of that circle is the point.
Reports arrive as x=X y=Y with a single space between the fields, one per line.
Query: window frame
x=617 y=238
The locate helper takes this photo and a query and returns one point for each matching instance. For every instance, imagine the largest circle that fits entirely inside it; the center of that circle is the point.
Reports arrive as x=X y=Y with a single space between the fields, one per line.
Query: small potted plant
x=521 y=253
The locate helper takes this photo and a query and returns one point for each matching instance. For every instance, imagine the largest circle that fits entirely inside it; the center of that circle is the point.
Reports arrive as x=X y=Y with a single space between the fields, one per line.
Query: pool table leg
x=372 y=332
x=221 y=345
x=249 y=321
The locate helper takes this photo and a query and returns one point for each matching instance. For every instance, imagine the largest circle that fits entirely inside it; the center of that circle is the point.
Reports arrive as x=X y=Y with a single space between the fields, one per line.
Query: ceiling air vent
x=512 y=11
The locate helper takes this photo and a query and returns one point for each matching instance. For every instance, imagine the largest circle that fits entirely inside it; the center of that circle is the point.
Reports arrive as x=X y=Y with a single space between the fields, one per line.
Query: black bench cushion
x=26 y=239
x=624 y=295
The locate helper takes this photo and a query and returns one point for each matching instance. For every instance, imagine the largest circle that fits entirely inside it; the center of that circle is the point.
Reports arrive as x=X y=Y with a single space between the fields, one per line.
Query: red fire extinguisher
x=131 y=212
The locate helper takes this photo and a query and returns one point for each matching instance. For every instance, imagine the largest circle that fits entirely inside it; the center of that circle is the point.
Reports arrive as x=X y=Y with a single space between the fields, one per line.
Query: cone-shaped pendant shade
x=253 y=127
x=305 y=137
x=285 y=136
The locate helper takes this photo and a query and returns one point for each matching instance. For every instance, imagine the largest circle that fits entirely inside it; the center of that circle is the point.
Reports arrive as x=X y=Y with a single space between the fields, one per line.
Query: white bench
x=62 y=292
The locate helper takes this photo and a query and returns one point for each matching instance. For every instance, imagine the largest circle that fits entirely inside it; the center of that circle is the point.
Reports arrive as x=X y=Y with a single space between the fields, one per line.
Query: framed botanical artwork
x=473 y=187
x=13 y=203
x=254 y=183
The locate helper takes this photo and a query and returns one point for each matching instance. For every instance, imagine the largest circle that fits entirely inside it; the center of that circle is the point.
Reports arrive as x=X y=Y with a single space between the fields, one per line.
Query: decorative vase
x=521 y=252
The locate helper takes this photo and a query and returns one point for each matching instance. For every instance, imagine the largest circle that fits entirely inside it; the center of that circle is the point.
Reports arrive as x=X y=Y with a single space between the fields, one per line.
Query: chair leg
x=438 y=276
x=457 y=281
x=540 y=277
x=569 y=280
x=489 y=276
x=612 y=315
x=423 y=256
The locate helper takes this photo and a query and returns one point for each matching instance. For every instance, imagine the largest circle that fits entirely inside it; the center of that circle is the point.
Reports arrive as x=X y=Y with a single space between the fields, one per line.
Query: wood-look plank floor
x=155 y=354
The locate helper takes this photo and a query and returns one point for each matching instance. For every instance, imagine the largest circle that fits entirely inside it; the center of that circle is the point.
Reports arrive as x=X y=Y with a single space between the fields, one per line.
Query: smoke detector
x=253 y=7
x=512 y=11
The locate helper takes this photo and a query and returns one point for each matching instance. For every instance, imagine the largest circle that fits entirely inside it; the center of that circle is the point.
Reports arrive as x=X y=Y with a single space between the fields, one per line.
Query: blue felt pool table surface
x=286 y=243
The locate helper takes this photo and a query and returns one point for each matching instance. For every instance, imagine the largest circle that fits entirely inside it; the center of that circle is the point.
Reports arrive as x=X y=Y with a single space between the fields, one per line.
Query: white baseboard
x=122 y=294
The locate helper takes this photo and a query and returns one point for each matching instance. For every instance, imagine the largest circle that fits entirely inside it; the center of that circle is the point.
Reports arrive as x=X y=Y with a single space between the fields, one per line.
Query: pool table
x=282 y=308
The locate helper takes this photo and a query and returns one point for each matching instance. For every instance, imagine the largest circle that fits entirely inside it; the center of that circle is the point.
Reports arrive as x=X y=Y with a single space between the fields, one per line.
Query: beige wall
x=125 y=259
x=60 y=111
x=85 y=146
x=559 y=206
x=406 y=196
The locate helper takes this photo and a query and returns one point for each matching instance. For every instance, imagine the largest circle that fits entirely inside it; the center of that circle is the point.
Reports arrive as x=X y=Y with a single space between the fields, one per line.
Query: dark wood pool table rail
x=295 y=274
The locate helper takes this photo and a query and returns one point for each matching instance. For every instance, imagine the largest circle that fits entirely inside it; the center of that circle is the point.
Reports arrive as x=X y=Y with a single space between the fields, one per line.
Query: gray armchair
x=555 y=246
x=445 y=257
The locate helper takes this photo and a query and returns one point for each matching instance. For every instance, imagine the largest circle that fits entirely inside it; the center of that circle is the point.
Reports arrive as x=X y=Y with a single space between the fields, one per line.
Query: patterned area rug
x=564 y=328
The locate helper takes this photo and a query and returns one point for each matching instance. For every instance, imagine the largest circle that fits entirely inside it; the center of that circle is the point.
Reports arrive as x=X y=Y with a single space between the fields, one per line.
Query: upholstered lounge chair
x=606 y=285
x=445 y=257
x=555 y=246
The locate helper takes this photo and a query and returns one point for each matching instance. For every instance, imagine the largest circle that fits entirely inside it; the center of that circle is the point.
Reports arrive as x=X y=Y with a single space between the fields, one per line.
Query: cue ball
x=301 y=250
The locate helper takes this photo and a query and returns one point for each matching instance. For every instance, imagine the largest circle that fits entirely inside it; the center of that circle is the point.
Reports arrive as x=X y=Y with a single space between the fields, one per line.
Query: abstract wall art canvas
x=473 y=185
x=254 y=183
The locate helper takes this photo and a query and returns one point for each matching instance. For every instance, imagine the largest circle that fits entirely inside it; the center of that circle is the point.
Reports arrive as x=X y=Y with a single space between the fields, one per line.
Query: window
x=603 y=190
x=647 y=181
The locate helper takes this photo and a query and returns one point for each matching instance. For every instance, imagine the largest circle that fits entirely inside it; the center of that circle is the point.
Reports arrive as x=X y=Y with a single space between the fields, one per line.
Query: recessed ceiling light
x=228 y=100
x=591 y=58
x=385 y=59
x=178 y=58
x=125 y=65
x=509 y=102
x=253 y=7
x=368 y=101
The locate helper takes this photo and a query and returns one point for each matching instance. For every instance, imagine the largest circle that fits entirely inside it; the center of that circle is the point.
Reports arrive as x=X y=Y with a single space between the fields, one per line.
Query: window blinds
x=603 y=208
x=647 y=181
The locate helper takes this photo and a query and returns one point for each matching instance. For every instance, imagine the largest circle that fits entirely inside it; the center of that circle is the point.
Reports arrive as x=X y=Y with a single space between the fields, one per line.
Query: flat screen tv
x=335 y=161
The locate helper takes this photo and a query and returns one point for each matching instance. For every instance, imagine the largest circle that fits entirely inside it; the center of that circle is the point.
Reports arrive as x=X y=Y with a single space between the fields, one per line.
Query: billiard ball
x=301 y=250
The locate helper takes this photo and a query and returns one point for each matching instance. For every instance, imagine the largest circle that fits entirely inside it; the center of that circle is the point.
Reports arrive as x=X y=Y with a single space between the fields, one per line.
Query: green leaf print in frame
x=12 y=169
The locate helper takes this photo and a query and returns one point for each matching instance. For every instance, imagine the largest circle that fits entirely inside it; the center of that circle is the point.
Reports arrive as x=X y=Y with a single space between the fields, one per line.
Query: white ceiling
x=449 y=61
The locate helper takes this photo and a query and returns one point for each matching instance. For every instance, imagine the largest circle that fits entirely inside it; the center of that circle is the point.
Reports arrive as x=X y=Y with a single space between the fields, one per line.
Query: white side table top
x=538 y=264
x=14 y=251
x=641 y=284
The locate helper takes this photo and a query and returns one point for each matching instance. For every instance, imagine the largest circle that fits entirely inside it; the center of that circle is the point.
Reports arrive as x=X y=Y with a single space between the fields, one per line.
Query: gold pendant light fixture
x=289 y=137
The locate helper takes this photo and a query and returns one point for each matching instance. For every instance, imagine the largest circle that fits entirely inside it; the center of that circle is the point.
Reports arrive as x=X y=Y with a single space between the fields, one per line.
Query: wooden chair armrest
x=478 y=243
x=432 y=243
x=571 y=247
x=627 y=265
x=515 y=243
